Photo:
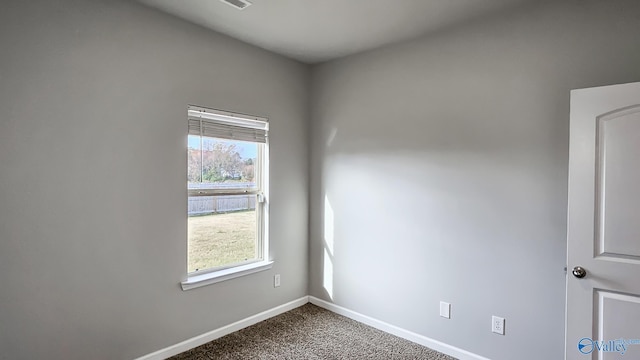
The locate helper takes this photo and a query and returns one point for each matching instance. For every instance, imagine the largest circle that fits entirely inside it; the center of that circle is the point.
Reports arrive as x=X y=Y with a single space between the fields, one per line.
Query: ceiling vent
x=238 y=4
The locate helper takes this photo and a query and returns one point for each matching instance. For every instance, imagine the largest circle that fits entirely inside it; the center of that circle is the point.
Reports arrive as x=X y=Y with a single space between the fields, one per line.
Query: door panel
x=603 y=229
x=622 y=314
x=618 y=201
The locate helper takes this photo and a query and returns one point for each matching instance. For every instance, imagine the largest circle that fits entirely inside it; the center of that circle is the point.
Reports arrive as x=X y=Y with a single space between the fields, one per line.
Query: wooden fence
x=201 y=205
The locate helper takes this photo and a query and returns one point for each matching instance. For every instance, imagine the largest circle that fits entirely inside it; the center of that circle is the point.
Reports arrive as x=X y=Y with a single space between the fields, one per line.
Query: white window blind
x=225 y=125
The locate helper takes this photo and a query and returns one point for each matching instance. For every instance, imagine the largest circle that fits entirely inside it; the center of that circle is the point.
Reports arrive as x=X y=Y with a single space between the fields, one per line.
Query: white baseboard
x=380 y=325
x=394 y=330
x=225 y=330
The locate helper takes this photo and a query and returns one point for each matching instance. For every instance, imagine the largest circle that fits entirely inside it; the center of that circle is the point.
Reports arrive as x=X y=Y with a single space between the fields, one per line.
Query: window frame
x=261 y=262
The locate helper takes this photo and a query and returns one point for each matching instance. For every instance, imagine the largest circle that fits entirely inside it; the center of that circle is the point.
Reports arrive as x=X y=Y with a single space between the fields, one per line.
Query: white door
x=603 y=307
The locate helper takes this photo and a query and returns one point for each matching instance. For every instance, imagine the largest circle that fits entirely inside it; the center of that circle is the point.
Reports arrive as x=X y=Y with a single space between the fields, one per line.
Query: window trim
x=196 y=280
x=262 y=261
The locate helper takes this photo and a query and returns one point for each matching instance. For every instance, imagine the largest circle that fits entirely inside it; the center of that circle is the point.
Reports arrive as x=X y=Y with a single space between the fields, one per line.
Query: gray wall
x=93 y=101
x=444 y=164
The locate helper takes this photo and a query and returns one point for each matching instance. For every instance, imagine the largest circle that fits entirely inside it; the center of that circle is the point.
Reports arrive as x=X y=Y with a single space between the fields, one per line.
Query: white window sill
x=199 y=280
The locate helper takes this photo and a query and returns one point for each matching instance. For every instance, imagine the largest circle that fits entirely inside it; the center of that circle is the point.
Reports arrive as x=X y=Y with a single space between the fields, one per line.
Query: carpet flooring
x=310 y=332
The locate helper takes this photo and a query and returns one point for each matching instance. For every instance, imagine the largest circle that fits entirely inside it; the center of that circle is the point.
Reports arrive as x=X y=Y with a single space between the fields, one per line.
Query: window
x=226 y=177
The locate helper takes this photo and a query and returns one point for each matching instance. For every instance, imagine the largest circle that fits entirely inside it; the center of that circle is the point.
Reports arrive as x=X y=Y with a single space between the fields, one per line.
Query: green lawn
x=219 y=239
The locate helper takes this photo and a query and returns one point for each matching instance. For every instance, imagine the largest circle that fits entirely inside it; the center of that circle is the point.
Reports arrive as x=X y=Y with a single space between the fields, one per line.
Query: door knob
x=579 y=272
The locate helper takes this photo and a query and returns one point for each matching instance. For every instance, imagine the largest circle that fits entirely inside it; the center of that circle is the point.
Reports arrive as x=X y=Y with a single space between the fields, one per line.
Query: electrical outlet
x=445 y=309
x=497 y=325
x=276 y=280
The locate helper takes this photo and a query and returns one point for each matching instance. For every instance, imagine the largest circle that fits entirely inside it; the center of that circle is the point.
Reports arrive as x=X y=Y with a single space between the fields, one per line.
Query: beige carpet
x=310 y=332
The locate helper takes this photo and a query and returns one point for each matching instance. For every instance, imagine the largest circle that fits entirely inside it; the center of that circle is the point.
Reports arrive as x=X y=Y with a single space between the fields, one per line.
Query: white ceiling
x=313 y=31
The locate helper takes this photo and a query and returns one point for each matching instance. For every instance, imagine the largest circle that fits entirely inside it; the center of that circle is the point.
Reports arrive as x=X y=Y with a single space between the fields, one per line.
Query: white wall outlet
x=445 y=309
x=276 y=280
x=497 y=325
